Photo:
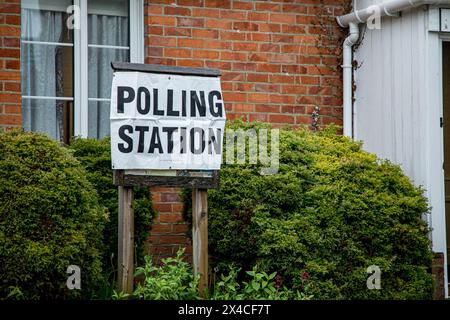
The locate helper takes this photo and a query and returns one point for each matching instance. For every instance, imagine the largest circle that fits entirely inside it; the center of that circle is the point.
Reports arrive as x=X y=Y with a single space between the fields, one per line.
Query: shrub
x=49 y=219
x=173 y=279
x=260 y=286
x=95 y=156
x=332 y=211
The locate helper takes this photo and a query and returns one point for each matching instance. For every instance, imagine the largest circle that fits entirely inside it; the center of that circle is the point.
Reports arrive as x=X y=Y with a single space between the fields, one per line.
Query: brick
x=208 y=13
x=190 y=22
x=9 y=98
x=258 y=16
x=9 y=75
x=161 y=228
x=12 y=109
x=170 y=197
x=241 y=5
x=179 y=32
x=191 y=63
x=223 y=4
x=155 y=30
x=178 y=207
x=190 y=43
x=218 y=24
x=170 y=217
x=154 y=9
x=10 y=53
x=192 y=3
x=162 y=41
x=161 y=20
x=280 y=118
x=257 y=77
x=245 y=26
x=9 y=8
x=171 y=239
x=202 y=33
x=155 y=51
x=13 y=120
x=258 y=97
x=12 y=86
x=180 y=228
x=259 y=117
x=233 y=15
x=245 y=46
x=177 y=53
x=283 y=18
x=11 y=42
x=177 y=11
x=206 y=54
x=162 y=207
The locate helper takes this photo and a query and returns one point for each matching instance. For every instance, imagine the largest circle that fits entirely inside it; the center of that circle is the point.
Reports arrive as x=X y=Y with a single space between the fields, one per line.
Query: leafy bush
x=332 y=211
x=95 y=156
x=261 y=286
x=49 y=219
x=174 y=280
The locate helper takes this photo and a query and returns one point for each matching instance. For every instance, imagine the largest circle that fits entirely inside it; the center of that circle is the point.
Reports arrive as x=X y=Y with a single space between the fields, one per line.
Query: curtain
x=41 y=71
x=109 y=31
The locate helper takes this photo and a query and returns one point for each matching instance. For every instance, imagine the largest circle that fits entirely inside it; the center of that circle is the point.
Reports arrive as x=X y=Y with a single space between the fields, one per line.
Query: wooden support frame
x=198 y=180
x=200 y=237
x=126 y=240
x=167 y=178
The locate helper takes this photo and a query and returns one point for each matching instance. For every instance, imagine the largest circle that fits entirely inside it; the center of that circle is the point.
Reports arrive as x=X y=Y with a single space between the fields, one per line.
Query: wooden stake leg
x=126 y=240
x=200 y=236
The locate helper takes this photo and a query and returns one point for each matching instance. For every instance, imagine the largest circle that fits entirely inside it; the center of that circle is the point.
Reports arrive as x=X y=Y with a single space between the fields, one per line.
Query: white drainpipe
x=352 y=21
x=347 y=66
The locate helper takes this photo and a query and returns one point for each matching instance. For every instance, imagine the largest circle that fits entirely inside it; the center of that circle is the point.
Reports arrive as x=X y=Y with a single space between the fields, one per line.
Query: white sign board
x=166 y=122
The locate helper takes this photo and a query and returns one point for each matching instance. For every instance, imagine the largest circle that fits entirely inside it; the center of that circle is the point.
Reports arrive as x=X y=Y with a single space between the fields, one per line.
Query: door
x=446 y=125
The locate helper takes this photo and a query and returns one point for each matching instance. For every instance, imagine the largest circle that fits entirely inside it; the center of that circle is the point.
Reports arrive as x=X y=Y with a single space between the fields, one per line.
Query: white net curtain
x=47 y=58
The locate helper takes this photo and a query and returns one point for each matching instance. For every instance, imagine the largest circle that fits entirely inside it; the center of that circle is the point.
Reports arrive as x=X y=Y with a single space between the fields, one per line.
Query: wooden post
x=125 y=256
x=200 y=236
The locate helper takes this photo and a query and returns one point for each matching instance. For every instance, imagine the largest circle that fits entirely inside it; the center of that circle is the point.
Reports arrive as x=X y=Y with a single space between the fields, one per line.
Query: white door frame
x=436 y=183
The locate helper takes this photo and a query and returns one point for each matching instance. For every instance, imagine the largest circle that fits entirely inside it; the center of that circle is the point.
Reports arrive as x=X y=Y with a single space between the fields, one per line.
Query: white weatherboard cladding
x=398 y=103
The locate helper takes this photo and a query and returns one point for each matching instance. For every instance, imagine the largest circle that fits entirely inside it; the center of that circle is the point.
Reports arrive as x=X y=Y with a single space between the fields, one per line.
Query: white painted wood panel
x=398 y=103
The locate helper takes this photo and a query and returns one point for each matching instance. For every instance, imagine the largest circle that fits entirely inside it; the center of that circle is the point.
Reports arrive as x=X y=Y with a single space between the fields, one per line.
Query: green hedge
x=49 y=219
x=95 y=156
x=332 y=211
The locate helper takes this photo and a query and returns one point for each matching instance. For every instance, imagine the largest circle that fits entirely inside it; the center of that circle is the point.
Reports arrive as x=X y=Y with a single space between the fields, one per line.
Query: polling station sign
x=163 y=121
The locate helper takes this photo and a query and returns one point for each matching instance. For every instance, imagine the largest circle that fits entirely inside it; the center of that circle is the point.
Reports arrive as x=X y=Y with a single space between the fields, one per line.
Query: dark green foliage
x=49 y=219
x=173 y=279
x=332 y=211
x=95 y=156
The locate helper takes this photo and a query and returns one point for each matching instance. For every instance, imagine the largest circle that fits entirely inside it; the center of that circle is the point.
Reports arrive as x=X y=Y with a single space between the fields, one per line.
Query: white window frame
x=136 y=20
x=80 y=54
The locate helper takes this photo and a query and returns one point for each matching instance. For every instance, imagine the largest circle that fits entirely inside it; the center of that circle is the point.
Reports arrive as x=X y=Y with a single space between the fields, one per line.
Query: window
x=66 y=72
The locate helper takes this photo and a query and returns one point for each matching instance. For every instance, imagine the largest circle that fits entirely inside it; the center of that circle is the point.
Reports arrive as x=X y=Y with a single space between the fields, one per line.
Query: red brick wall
x=169 y=230
x=10 y=99
x=279 y=60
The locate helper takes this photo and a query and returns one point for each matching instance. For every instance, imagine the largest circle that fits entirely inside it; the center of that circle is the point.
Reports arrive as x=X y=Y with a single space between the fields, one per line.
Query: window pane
x=108 y=30
x=45 y=25
x=46 y=70
x=99 y=119
x=100 y=72
x=53 y=117
x=108 y=38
